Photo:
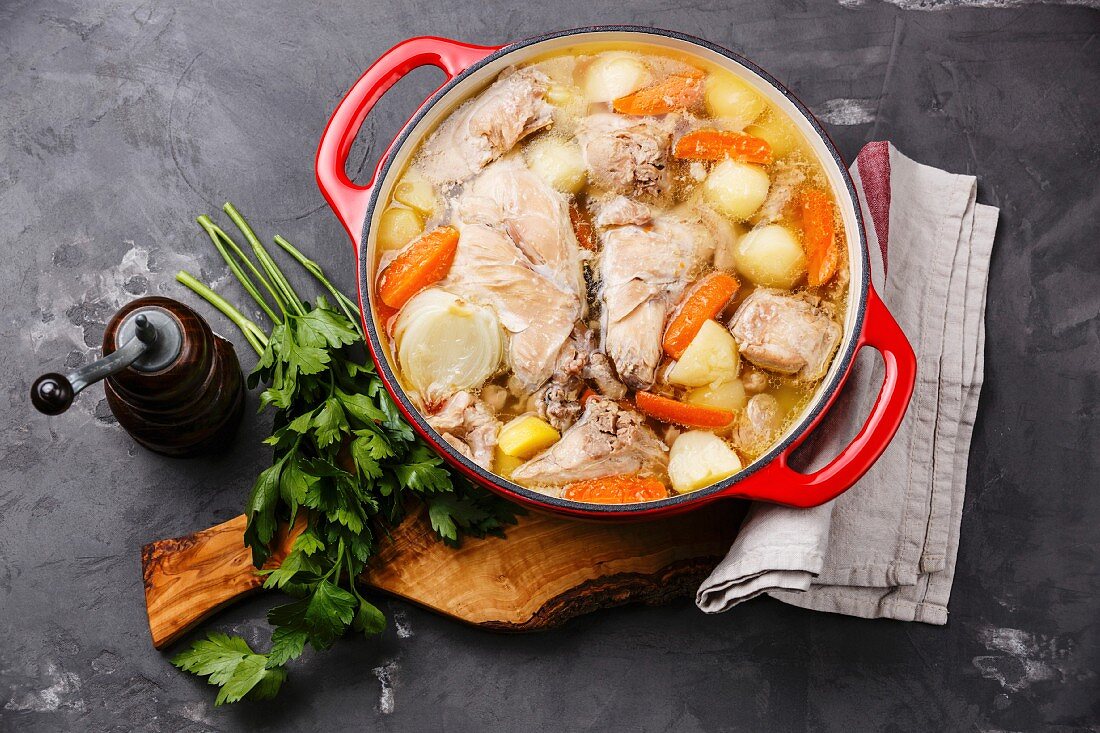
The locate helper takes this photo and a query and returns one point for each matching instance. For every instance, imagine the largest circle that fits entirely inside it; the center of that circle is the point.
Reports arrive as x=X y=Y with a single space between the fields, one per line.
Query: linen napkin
x=887 y=546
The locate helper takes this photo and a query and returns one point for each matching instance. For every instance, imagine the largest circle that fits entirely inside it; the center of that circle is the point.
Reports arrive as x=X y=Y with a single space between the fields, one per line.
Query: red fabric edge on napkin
x=874 y=174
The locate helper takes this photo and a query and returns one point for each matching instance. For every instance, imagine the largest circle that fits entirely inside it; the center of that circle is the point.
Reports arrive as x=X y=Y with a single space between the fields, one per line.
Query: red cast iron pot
x=469 y=69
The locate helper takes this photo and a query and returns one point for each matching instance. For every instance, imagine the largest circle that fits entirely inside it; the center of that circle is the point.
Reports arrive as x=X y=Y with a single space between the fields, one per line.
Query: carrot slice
x=425 y=261
x=819 y=236
x=706 y=300
x=722 y=144
x=588 y=394
x=621 y=489
x=678 y=91
x=681 y=413
x=582 y=227
x=385 y=316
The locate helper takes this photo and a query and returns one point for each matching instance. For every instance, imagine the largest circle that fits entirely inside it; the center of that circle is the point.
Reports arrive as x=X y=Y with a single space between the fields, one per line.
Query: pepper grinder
x=174 y=385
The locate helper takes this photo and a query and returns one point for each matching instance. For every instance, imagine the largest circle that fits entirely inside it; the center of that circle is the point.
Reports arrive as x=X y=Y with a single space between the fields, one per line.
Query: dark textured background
x=120 y=121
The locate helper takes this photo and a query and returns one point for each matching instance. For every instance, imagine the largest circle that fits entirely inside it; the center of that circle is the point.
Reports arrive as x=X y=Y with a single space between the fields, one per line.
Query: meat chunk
x=757 y=425
x=606 y=441
x=785 y=181
x=487 y=127
x=618 y=211
x=600 y=372
x=509 y=196
x=644 y=272
x=468 y=425
x=626 y=155
x=538 y=315
x=754 y=382
x=785 y=333
x=558 y=402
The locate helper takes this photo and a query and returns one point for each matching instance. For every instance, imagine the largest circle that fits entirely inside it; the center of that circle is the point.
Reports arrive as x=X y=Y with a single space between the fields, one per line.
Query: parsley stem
x=255 y=336
x=338 y=562
x=223 y=244
x=265 y=260
x=314 y=269
x=351 y=578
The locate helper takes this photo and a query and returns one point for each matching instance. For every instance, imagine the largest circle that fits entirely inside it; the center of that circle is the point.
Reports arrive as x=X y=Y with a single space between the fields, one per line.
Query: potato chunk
x=710 y=357
x=698 y=459
x=723 y=395
x=416 y=192
x=558 y=163
x=397 y=227
x=736 y=189
x=771 y=256
x=733 y=100
x=777 y=130
x=504 y=464
x=525 y=436
x=613 y=75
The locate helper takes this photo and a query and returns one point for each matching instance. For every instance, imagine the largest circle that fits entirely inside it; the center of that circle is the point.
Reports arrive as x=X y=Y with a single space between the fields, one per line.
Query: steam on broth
x=613 y=275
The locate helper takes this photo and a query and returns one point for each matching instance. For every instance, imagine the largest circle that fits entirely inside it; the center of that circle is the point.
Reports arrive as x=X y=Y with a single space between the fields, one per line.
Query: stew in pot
x=612 y=275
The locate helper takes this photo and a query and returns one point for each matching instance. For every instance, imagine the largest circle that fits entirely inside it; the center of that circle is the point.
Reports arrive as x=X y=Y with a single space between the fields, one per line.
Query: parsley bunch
x=344 y=458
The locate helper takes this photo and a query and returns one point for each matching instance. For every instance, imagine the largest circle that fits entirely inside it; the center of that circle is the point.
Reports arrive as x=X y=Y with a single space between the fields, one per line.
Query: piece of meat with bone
x=487 y=127
x=600 y=371
x=644 y=271
x=626 y=155
x=470 y=426
x=785 y=333
x=558 y=402
x=509 y=196
x=538 y=315
x=606 y=441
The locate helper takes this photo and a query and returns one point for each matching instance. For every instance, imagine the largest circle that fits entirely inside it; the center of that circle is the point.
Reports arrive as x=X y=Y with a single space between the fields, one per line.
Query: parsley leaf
x=323 y=616
x=261 y=511
x=286 y=643
x=423 y=472
x=368 y=619
x=300 y=358
x=329 y=423
x=321 y=326
x=229 y=662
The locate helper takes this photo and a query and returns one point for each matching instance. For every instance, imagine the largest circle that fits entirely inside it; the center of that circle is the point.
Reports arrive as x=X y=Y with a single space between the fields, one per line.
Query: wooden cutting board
x=548 y=570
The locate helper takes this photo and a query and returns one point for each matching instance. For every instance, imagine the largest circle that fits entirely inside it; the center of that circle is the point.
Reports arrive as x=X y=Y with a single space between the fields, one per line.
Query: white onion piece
x=446 y=344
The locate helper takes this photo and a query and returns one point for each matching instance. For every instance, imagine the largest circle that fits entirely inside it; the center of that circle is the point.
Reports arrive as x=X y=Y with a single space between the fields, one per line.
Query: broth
x=573 y=227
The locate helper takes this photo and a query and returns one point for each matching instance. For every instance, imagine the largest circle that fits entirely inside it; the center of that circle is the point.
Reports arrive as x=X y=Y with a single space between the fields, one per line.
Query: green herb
x=343 y=457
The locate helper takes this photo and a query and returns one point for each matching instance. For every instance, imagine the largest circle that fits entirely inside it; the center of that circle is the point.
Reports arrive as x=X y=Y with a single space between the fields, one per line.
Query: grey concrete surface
x=121 y=120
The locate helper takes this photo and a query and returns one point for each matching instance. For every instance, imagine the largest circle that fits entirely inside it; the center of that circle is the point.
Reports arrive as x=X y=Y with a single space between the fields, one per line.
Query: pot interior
x=478 y=77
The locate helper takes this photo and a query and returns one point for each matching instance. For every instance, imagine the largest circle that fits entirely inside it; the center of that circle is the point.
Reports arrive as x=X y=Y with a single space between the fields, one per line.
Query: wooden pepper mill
x=173 y=384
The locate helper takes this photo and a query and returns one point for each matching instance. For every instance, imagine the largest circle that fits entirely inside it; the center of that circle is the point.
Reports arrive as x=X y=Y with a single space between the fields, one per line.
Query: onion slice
x=446 y=344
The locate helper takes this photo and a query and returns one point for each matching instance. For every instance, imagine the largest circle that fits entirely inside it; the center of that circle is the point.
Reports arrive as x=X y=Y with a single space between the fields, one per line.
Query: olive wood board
x=546 y=571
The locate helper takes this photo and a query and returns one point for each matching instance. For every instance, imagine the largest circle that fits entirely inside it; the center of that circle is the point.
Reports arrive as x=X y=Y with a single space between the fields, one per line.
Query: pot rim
x=679 y=502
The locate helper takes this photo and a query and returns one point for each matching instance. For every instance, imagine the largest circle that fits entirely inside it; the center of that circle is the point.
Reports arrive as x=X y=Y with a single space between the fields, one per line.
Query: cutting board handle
x=189 y=578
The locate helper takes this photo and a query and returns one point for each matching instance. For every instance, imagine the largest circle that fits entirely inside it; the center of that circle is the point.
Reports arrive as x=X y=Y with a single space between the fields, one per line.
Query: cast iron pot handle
x=346 y=198
x=778 y=482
